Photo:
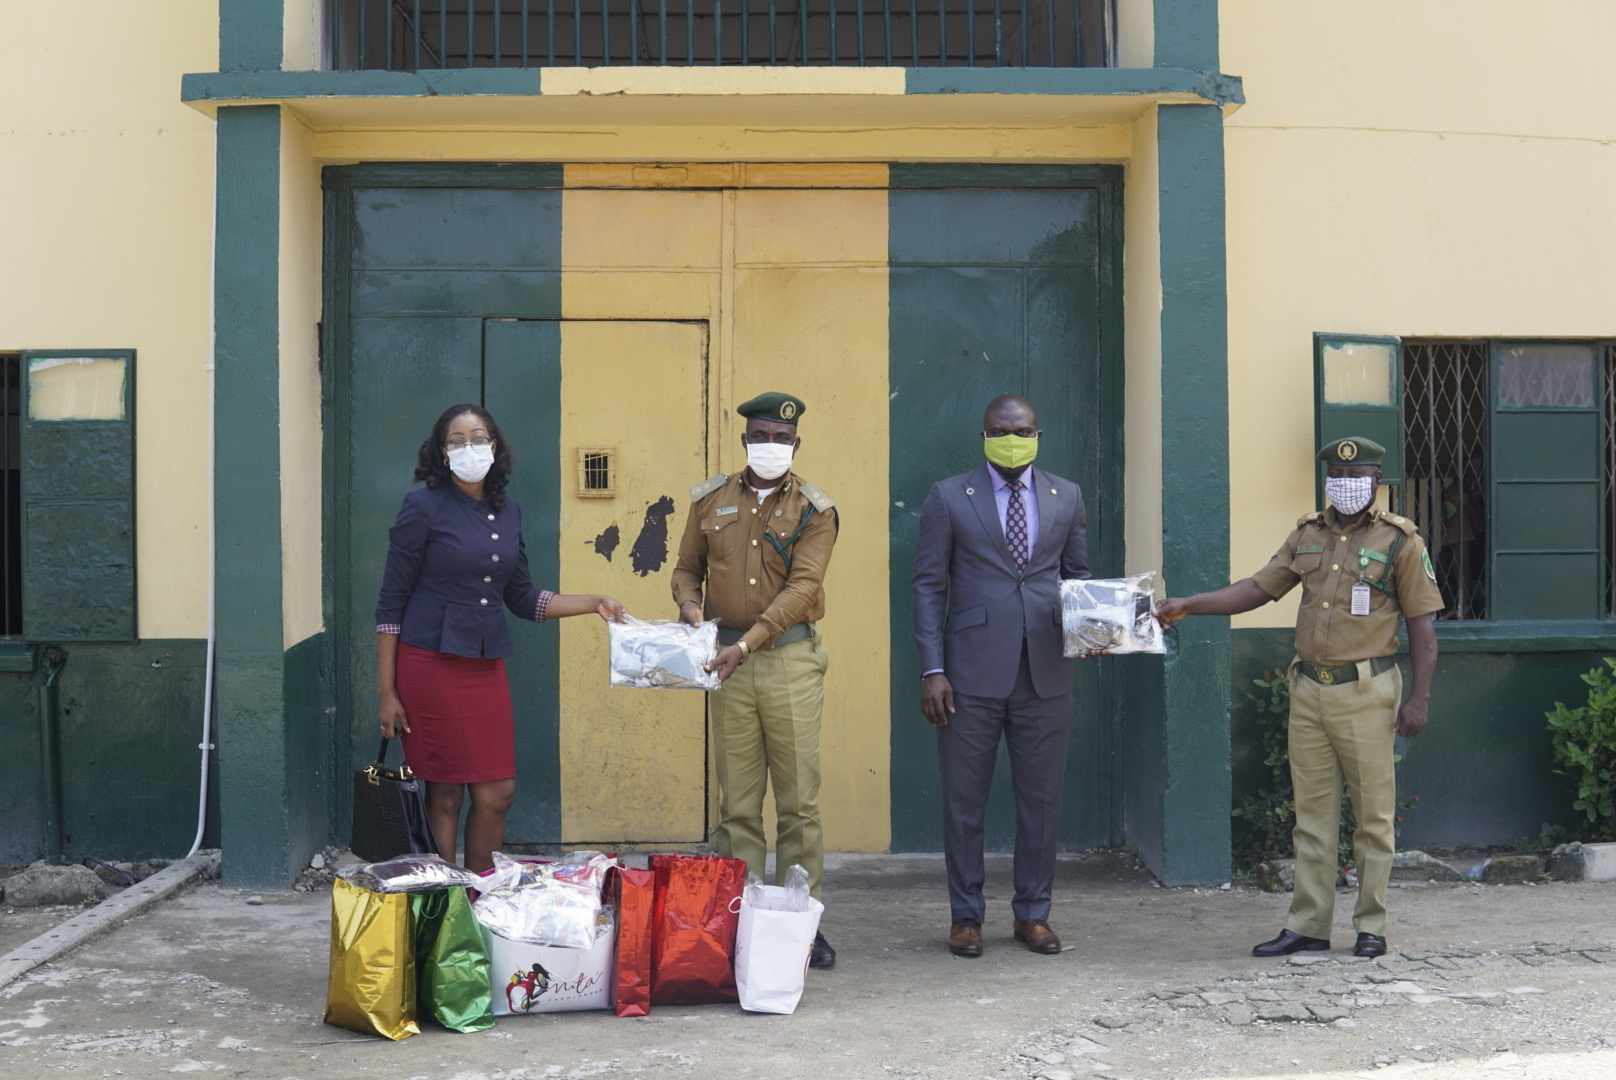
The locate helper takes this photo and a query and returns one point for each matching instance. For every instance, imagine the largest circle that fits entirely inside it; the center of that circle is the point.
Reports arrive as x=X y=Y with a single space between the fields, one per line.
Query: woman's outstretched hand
x=610 y=609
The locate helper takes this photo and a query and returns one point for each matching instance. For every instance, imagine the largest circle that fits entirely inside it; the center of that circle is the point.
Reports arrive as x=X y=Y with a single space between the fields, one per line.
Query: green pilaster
x=251 y=34
x=1177 y=762
x=250 y=706
x=1187 y=34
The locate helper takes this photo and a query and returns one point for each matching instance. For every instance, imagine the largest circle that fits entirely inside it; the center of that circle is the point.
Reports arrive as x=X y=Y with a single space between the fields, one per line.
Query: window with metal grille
x=415 y=35
x=10 y=496
x=1610 y=480
x=595 y=472
x=1445 y=465
x=1503 y=452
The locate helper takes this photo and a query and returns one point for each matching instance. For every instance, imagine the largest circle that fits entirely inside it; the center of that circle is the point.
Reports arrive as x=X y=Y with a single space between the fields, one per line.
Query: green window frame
x=1358 y=390
x=78 y=495
x=1546 y=507
x=1550 y=465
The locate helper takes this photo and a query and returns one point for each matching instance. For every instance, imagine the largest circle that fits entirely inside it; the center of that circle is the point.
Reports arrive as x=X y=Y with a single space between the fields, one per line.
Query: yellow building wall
x=1432 y=169
x=107 y=183
x=303 y=33
x=301 y=252
x=713 y=143
x=1141 y=320
x=1136 y=33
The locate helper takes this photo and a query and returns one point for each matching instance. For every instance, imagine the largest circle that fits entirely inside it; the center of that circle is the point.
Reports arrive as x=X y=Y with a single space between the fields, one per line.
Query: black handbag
x=389 y=811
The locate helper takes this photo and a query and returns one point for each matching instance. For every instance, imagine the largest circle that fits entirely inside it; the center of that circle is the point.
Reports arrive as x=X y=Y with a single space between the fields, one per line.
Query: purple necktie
x=1015 y=524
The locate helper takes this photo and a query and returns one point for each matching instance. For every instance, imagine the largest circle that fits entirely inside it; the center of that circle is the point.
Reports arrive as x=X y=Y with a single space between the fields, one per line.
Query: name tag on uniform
x=1360 y=599
x=722 y=510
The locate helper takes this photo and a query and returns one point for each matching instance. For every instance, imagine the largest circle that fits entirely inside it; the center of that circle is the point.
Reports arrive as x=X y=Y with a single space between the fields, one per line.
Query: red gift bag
x=635 y=899
x=693 y=932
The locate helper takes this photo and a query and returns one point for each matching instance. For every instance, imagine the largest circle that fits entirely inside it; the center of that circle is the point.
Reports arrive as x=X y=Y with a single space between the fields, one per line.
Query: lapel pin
x=970 y=491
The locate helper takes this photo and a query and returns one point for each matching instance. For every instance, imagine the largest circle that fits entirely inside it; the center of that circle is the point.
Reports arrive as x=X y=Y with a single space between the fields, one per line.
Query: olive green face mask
x=1010 y=451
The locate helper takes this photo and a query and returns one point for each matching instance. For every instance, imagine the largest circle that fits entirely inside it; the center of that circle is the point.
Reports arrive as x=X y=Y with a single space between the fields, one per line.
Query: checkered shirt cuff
x=389 y=628
x=542 y=607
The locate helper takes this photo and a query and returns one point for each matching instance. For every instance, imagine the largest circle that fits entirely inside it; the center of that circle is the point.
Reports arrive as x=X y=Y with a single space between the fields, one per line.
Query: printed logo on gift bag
x=523 y=992
x=532 y=984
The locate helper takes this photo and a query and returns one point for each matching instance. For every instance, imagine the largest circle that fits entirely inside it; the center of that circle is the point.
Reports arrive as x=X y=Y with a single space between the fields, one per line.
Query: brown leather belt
x=1329 y=676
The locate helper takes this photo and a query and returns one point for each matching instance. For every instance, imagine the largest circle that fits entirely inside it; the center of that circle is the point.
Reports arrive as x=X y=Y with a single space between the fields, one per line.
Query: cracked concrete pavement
x=1495 y=981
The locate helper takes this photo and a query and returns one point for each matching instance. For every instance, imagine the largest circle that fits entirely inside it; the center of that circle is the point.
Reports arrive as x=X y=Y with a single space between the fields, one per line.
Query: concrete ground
x=1485 y=981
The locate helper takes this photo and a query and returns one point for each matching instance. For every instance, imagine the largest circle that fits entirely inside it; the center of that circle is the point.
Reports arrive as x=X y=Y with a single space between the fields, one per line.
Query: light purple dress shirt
x=1029 y=500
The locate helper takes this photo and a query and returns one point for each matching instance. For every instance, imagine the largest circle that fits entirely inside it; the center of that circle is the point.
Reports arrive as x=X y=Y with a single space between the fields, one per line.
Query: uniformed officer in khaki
x=759 y=543
x=1359 y=570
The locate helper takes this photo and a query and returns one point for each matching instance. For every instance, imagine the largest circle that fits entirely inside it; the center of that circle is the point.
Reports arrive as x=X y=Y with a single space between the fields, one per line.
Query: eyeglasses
x=460 y=444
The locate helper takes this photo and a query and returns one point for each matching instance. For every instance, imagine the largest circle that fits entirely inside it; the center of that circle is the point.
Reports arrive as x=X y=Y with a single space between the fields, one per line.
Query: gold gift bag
x=372 y=981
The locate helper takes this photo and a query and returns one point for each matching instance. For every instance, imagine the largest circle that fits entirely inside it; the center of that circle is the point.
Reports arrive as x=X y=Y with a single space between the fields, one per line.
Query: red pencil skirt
x=459 y=711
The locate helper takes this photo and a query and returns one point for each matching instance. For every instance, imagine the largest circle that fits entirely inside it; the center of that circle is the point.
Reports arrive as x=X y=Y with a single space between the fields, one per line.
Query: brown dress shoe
x=1037 y=935
x=965 y=938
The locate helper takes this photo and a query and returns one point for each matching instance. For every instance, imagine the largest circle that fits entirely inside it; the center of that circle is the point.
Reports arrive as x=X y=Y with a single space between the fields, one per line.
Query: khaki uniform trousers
x=1343 y=732
x=766 y=731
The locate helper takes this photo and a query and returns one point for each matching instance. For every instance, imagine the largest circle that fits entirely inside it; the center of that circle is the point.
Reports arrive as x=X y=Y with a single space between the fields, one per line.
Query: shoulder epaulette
x=814 y=495
x=1315 y=518
x=1401 y=522
x=707 y=487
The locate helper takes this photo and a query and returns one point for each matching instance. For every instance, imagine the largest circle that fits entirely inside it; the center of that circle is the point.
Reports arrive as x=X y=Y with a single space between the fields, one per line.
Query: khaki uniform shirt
x=1328 y=561
x=747 y=586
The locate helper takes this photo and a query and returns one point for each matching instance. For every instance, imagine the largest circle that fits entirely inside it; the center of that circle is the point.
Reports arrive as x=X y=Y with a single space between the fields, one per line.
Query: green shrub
x=1263 y=822
x=1585 y=745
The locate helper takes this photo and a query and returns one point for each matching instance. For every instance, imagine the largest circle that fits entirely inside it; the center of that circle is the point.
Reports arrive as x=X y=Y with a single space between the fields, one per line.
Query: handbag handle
x=375 y=769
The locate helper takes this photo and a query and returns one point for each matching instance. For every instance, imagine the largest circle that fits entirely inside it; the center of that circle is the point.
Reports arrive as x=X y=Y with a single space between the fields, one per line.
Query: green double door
x=404 y=370
x=446 y=289
x=1004 y=280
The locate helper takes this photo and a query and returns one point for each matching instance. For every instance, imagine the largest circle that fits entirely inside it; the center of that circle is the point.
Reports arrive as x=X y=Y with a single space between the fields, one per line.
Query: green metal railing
x=415 y=35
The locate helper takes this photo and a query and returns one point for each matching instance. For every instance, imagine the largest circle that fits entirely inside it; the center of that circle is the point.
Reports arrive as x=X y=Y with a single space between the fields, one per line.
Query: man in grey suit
x=993 y=547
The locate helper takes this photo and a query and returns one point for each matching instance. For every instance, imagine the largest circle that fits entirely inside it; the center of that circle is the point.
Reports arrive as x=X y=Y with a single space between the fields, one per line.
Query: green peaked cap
x=1353 y=450
x=781 y=408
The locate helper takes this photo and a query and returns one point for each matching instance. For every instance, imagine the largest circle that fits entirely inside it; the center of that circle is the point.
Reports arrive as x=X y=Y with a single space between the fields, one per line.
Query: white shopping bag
x=771 y=951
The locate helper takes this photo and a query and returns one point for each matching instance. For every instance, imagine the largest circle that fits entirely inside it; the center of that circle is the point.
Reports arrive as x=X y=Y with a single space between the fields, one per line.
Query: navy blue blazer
x=452 y=561
x=973 y=606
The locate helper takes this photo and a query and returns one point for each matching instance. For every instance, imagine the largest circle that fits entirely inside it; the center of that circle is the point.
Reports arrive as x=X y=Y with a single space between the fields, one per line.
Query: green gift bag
x=452 y=983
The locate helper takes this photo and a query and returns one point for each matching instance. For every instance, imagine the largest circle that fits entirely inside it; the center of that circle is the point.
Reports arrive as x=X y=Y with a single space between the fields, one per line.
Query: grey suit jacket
x=972 y=606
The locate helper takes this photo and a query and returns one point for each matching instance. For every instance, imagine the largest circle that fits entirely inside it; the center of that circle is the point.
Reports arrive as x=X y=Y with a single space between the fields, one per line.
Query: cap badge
x=788 y=409
x=1347 y=450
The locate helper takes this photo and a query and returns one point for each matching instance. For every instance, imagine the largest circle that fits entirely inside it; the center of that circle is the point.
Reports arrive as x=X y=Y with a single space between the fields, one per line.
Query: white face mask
x=769 y=461
x=1350 y=494
x=471 y=463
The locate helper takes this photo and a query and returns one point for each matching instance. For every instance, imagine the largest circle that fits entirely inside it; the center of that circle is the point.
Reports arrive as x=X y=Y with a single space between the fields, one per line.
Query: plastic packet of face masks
x=409 y=873
x=545 y=903
x=1113 y=614
x=662 y=655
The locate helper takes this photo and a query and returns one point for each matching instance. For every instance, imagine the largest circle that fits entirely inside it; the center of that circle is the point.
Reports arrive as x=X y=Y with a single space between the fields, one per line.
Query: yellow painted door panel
x=633 y=762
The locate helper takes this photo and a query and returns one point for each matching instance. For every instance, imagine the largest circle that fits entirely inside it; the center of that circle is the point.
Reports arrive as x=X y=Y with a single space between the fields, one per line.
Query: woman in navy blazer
x=454 y=559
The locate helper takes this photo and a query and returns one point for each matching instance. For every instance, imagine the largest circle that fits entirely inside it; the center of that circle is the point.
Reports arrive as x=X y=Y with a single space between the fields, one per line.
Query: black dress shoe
x=822 y=956
x=1288 y=942
x=1369 y=945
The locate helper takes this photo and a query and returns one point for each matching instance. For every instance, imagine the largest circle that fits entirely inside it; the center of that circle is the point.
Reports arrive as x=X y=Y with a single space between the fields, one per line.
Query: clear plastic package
x=658 y=654
x=410 y=873
x=1113 y=614
x=792 y=896
x=546 y=903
